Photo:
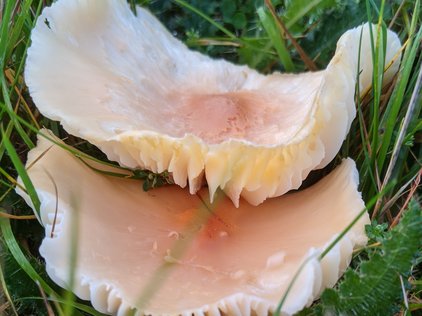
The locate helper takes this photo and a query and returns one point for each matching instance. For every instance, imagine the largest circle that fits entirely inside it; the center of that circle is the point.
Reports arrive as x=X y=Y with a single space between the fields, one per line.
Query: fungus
x=150 y=102
x=125 y=84
x=204 y=258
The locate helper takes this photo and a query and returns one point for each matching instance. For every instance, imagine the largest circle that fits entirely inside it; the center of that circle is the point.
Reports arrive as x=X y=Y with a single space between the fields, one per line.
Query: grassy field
x=385 y=278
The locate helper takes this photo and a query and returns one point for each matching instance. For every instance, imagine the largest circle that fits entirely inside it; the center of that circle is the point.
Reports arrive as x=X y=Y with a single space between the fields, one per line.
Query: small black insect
x=47 y=22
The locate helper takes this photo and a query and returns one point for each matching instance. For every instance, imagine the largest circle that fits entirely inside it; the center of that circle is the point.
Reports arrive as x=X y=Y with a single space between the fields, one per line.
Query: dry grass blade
x=9 y=75
x=405 y=300
x=4 y=307
x=213 y=42
x=11 y=179
x=389 y=63
x=4 y=294
x=50 y=311
x=374 y=245
x=407 y=119
x=400 y=192
x=38 y=158
x=412 y=192
x=399 y=142
x=56 y=192
x=17 y=217
x=396 y=14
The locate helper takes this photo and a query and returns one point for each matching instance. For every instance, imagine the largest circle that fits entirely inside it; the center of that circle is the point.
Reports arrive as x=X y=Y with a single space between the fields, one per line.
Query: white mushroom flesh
x=221 y=260
x=124 y=83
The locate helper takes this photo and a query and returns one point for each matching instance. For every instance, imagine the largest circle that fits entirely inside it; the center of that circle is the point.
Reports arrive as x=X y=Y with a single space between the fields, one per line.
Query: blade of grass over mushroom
x=366 y=146
x=55 y=141
x=70 y=297
x=321 y=256
x=370 y=204
x=370 y=290
x=156 y=235
x=403 y=128
x=396 y=122
x=378 y=61
x=21 y=171
x=205 y=211
x=379 y=154
x=20 y=258
x=276 y=38
x=24 y=263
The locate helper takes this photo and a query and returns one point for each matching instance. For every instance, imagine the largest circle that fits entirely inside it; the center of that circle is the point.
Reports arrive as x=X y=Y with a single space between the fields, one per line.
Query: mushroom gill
x=203 y=258
x=125 y=84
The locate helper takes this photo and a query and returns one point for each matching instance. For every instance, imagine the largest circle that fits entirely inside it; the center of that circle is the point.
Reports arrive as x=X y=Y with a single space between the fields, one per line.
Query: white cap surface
x=185 y=256
x=125 y=84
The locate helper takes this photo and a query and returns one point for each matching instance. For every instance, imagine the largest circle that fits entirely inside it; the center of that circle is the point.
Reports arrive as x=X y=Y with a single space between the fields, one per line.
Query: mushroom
x=150 y=102
x=166 y=252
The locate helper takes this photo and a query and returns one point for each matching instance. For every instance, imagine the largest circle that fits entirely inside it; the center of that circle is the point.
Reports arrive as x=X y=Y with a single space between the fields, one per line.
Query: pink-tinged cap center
x=213 y=117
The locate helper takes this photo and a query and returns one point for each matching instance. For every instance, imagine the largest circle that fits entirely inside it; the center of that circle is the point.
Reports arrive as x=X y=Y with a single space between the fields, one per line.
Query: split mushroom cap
x=125 y=84
x=185 y=256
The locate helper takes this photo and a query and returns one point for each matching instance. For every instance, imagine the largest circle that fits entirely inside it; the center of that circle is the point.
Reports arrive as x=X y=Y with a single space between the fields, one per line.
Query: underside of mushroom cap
x=125 y=84
x=166 y=252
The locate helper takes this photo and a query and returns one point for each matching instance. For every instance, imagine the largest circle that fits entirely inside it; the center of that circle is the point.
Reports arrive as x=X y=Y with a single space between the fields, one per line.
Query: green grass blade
x=276 y=38
x=26 y=266
x=377 y=78
x=19 y=256
x=327 y=249
x=206 y=18
x=16 y=123
x=83 y=308
x=31 y=25
x=73 y=258
x=365 y=170
x=6 y=292
x=403 y=128
x=4 y=31
x=55 y=141
x=17 y=27
x=371 y=290
x=301 y=11
x=20 y=168
x=395 y=104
